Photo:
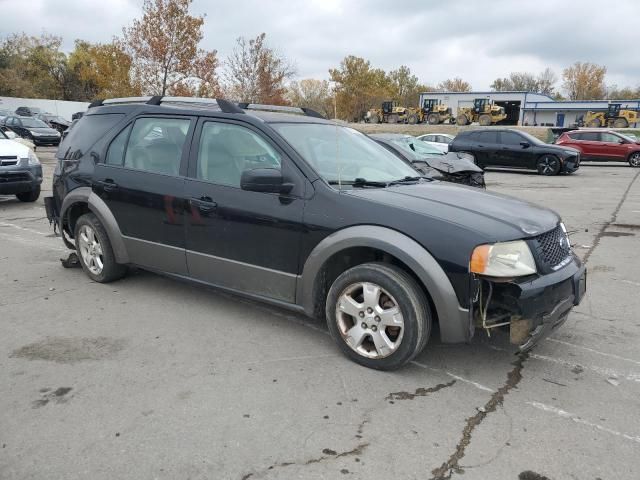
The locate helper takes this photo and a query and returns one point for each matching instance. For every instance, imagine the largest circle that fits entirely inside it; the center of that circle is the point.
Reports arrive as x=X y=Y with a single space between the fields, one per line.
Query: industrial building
x=530 y=108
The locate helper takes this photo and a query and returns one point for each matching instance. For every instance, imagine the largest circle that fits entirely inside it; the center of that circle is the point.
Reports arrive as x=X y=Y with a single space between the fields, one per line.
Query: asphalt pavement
x=150 y=378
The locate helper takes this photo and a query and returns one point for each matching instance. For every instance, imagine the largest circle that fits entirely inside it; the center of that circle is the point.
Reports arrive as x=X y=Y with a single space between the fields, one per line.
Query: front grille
x=553 y=247
x=8 y=160
x=14 y=177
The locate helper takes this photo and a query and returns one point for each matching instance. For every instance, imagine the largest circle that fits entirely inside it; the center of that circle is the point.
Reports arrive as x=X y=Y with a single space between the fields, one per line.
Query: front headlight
x=32 y=159
x=506 y=259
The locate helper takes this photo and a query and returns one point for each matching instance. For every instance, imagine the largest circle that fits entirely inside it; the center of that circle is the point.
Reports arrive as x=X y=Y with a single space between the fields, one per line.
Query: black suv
x=310 y=215
x=509 y=148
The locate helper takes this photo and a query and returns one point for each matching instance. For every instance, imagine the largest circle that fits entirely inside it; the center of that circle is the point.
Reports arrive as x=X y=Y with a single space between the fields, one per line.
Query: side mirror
x=266 y=180
x=525 y=144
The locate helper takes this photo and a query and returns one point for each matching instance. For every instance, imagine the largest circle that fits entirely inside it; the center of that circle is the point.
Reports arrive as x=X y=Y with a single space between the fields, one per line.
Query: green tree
x=312 y=93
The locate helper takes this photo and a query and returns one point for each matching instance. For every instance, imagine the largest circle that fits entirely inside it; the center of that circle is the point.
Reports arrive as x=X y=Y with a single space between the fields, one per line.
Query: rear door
x=589 y=143
x=486 y=148
x=142 y=182
x=242 y=240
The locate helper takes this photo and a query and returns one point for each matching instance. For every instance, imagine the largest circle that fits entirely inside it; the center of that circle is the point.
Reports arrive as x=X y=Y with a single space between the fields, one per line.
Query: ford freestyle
x=283 y=206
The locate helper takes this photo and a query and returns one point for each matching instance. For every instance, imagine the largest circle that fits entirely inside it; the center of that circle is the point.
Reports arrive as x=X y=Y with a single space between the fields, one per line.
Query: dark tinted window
x=86 y=132
x=488 y=137
x=115 y=154
x=511 y=138
x=155 y=144
x=576 y=136
x=590 y=136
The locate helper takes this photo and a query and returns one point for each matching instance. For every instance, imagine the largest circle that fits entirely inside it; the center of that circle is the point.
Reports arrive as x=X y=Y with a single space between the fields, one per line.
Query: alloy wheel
x=90 y=249
x=369 y=320
x=548 y=165
x=634 y=160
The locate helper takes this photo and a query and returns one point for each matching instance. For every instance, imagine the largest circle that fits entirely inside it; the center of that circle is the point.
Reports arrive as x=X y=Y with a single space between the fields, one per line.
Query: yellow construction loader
x=392 y=113
x=614 y=117
x=483 y=111
x=434 y=112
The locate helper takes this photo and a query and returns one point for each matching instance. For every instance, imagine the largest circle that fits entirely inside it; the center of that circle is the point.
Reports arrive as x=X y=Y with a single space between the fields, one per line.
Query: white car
x=20 y=170
x=11 y=135
x=439 y=140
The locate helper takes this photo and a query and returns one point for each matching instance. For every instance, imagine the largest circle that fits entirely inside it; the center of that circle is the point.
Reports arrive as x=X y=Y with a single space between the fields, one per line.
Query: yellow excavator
x=434 y=112
x=483 y=111
x=614 y=117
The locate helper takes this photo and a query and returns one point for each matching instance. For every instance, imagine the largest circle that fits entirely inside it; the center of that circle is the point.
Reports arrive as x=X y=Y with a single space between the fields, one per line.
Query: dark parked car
x=54 y=121
x=28 y=111
x=311 y=215
x=431 y=161
x=509 y=148
x=33 y=129
x=20 y=170
x=603 y=145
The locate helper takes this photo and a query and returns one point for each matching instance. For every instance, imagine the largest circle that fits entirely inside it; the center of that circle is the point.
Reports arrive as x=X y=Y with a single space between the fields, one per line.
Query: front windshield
x=342 y=154
x=417 y=149
x=33 y=123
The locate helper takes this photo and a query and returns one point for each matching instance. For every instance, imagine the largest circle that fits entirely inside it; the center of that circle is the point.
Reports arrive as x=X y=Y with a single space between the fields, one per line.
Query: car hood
x=43 y=130
x=495 y=216
x=10 y=148
x=451 y=162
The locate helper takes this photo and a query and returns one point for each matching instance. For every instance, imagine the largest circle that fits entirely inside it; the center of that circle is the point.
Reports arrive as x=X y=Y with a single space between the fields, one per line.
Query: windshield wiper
x=405 y=180
x=359 y=182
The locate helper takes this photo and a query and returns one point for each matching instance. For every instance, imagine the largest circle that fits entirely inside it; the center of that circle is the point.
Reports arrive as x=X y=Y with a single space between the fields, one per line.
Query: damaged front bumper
x=533 y=307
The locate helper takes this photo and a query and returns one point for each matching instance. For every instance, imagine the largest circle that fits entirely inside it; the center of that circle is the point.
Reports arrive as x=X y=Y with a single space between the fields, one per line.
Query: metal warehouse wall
x=58 y=107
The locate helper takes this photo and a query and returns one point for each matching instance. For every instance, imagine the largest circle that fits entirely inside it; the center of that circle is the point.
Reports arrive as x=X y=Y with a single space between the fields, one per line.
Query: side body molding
x=455 y=322
x=100 y=210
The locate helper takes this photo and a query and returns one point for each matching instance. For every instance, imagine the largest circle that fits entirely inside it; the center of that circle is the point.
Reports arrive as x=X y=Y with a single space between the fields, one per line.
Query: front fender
x=455 y=322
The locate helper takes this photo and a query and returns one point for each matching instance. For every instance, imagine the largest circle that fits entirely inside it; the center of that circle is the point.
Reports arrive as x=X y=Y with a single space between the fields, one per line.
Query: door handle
x=108 y=185
x=204 y=204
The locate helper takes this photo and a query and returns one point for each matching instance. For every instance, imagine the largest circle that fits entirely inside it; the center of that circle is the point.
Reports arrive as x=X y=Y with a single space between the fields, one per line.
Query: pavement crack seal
x=452 y=465
x=611 y=221
x=420 y=392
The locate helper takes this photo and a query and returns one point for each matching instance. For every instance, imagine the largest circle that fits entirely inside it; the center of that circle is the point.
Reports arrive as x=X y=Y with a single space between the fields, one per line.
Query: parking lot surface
x=152 y=378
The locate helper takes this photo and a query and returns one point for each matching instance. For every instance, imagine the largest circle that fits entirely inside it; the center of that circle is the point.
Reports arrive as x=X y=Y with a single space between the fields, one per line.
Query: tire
x=461 y=119
x=88 y=231
x=30 y=196
x=412 y=119
x=484 y=120
x=634 y=160
x=393 y=118
x=476 y=179
x=433 y=119
x=396 y=345
x=620 y=123
x=549 y=165
x=374 y=119
x=595 y=123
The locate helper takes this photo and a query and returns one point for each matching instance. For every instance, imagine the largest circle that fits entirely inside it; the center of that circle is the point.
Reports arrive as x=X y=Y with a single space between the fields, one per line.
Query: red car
x=603 y=145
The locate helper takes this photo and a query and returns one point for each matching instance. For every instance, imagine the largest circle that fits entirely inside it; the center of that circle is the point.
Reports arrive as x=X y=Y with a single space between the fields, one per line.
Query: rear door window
x=590 y=136
x=488 y=137
x=156 y=144
x=88 y=130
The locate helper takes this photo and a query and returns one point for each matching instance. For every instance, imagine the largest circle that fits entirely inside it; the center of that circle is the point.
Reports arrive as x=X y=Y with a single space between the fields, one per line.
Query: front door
x=141 y=183
x=559 y=119
x=612 y=147
x=512 y=153
x=242 y=240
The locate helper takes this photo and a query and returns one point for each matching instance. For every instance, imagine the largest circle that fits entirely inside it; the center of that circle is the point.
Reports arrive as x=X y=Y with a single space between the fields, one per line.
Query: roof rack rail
x=224 y=105
x=280 y=108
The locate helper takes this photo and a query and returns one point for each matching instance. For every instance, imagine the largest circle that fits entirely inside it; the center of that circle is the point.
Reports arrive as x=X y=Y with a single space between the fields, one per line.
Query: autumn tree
x=256 y=73
x=163 y=46
x=547 y=80
x=454 y=85
x=584 y=81
x=527 y=82
x=359 y=87
x=312 y=93
x=625 y=93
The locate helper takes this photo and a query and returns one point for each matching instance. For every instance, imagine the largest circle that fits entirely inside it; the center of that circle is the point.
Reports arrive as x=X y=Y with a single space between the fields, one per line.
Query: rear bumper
x=20 y=180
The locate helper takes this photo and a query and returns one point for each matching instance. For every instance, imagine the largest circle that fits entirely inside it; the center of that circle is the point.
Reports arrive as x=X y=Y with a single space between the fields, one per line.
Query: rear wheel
x=620 y=123
x=373 y=119
x=31 y=196
x=461 y=119
x=393 y=118
x=378 y=315
x=433 y=119
x=595 y=123
x=548 y=165
x=485 y=120
x=95 y=252
x=634 y=160
x=412 y=119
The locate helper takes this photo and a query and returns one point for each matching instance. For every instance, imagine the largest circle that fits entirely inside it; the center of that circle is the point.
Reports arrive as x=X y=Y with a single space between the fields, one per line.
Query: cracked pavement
x=152 y=378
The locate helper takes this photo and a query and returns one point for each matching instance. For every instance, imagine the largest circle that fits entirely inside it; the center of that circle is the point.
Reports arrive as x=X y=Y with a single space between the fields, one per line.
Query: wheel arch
x=355 y=245
x=82 y=200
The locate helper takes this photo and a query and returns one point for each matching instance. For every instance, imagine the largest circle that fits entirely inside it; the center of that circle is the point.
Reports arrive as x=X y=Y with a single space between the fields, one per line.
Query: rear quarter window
x=87 y=131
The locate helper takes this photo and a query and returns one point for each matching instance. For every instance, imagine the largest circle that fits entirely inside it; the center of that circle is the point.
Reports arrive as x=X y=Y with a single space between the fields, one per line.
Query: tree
x=404 y=86
x=101 y=71
x=454 y=85
x=528 y=82
x=625 y=93
x=584 y=81
x=358 y=87
x=312 y=93
x=163 y=46
x=547 y=81
x=256 y=73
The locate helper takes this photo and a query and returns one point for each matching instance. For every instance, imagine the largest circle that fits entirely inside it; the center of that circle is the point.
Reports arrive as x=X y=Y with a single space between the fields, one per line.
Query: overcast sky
x=437 y=39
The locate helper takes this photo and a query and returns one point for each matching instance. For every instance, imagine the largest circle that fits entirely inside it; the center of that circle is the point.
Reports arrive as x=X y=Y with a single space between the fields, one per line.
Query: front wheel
x=95 y=252
x=634 y=160
x=30 y=196
x=378 y=315
x=548 y=165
